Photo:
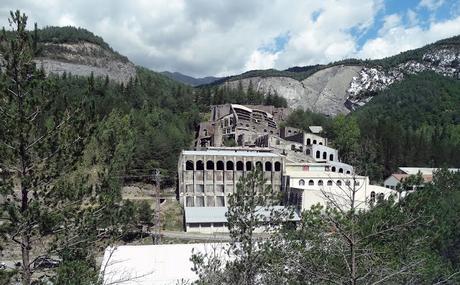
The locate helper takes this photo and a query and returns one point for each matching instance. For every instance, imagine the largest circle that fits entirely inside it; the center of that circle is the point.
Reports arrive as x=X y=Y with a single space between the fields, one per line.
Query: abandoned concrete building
x=302 y=165
x=233 y=124
x=206 y=177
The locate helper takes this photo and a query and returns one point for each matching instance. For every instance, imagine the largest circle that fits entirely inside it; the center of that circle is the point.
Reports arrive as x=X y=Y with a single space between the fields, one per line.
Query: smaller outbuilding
x=214 y=219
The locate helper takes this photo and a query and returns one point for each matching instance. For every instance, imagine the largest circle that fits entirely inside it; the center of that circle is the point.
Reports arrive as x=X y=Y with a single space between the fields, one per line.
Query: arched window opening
x=210 y=165
x=381 y=197
x=348 y=171
x=229 y=165
x=189 y=165
x=205 y=132
x=301 y=182
x=340 y=170
x=329 y=183
x=248 y=166
x=239 y=166
x=307 y=152
x=308 y=141
x=268 y=166
x=357 y=183
x=324 y=155
x=333 y=168
x=259 y=165
x=277 y=166
x=311 y=183
x=220 y=165
x=339 y=183
x=199 y=165
x=318 y=154
x=372 y=199
x=320 y=183
x=347 y=183
x=314 y=141
x=320 y=143
x=331 y=157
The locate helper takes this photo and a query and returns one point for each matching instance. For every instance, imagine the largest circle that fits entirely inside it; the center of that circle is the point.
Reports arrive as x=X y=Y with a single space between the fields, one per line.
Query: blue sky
x=223 y=37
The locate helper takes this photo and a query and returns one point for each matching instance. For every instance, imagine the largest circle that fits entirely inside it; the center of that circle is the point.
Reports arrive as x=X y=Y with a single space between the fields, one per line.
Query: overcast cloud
x=215 y=37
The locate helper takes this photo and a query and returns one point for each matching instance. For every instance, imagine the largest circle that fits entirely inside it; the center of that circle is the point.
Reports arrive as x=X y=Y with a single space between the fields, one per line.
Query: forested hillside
x=413 y=123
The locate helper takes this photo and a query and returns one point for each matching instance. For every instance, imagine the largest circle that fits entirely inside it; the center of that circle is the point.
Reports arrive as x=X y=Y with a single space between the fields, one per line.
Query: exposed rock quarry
x=325 y=91
x=339 y=89
x=370 y=80
x=84 y=58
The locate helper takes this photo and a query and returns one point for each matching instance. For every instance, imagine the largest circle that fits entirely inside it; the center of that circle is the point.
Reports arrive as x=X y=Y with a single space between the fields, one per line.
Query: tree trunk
x=25 y=250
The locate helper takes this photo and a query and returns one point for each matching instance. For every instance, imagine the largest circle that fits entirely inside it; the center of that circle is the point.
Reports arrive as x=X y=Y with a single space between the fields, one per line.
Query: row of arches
x=230 y=165
x=380 y=197
x=340 y=170
x=309 y=142
x=318 y=155
x=328 y=183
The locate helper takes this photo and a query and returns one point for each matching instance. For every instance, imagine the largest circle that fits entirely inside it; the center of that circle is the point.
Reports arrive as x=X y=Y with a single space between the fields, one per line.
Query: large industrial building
x=238 y=124
x=206 y=177
x=302 y=165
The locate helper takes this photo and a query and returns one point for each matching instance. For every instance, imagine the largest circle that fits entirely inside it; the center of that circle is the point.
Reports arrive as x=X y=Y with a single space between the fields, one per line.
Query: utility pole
x=157 y=180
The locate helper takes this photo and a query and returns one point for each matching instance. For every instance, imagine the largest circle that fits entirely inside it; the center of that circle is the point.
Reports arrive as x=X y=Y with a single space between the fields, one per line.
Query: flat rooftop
x=218 y=214
x=226 y=152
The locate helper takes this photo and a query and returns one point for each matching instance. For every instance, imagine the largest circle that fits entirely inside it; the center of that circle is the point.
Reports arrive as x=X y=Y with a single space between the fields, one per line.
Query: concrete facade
x=310 y=184
x=239 y=124
x=207 y=177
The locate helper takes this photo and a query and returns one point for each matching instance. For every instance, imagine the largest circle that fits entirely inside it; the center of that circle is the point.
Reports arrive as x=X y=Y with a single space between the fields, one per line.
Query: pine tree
x=48 y=204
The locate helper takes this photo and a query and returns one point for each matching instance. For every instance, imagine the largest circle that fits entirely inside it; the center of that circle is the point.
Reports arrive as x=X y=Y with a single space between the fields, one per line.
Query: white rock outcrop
x=445 y=61
x=84 y=58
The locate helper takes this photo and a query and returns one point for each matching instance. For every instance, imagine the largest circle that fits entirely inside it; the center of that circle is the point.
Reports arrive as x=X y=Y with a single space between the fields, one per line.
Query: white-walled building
x=310 y=184
x=213 y=219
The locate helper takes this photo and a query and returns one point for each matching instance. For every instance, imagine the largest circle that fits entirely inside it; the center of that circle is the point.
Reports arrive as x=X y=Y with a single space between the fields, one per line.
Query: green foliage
x=67 y=144
x=76 y=273
x=145 y=213
x=247 y=212
x=414 y=122
x=209 y=95
x=69 y=34
x=304 y=119
x=411 y=241
x=346 y=134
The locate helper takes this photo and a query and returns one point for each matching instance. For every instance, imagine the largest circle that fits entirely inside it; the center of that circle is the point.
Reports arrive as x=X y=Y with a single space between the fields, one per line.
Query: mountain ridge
x=189 y=80
x=356 y=83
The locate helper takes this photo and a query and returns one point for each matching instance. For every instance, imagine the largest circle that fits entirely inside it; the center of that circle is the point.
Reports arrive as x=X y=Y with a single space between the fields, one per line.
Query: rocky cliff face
x=325 y=91
x=341 y=88
x=444 y=61
x=83 y=58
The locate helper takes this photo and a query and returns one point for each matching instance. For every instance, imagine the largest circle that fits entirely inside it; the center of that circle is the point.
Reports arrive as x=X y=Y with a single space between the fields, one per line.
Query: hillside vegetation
x=415 y=122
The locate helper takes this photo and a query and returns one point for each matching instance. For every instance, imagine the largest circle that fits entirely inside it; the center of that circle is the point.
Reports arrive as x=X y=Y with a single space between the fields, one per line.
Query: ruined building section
x=207 y=177
x=233 y=124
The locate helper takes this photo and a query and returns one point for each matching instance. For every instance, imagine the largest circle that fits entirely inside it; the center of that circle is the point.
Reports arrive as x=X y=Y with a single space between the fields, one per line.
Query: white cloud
x=412 y=17
x=261 y=60
x=400 y=38
x=219 y=37
x=431 y=4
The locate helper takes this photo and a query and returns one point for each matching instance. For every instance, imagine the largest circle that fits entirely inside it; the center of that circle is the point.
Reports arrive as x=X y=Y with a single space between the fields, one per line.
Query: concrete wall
x=211 y=186
x=310 y=190
x=391 y=182
x=322 y=153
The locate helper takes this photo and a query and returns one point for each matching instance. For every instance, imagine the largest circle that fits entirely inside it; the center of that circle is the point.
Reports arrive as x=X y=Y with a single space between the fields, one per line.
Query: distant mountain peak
x=189 y=80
